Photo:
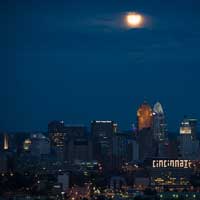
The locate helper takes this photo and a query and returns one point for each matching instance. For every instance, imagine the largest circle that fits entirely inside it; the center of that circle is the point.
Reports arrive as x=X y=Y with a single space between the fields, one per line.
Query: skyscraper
x=60 y=134
x=144 y=116
x=57 y=135
x=147 y=147
x=124 y=149
x=159 y=124
x=56 y=132
x=189 y=145
x=188 y=127
x=102 y=133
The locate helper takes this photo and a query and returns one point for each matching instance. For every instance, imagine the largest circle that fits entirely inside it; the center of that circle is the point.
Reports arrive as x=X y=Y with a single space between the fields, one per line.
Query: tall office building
x=102 y=133
x=56 y=130
x=159 y=124
x=124 y=149
x=60 y=134
x=147 y=147
x=189 y=145
x=119 y=150
x=144 y=116
x=188 y=127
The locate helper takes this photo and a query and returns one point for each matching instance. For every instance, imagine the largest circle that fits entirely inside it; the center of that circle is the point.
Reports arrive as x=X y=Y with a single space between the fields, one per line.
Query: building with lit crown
x=189 y=127
x=189 y=147
x=159 y=124
x=144 y=116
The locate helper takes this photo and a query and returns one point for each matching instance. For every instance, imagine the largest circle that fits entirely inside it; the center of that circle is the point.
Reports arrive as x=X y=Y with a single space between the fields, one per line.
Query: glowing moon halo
x=134 y=20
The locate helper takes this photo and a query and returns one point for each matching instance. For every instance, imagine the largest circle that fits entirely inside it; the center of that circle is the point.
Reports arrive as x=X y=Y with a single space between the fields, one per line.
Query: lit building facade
x=26 y=145
x=174 y=174
x=57 y=136
x=159 y=124
x=5 y=142
x=144 y=116
x=56 y=133
x=185 y=128
x=188 y=127
x=188 y=144
x=60 y=134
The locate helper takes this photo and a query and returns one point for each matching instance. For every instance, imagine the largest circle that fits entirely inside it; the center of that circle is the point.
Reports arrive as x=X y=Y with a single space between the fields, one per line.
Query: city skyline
x=154 y=109
x=99 y=100
x=77 y=61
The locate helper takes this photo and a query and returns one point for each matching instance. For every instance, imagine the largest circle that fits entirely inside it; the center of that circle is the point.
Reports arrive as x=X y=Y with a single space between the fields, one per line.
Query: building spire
x=5 y=142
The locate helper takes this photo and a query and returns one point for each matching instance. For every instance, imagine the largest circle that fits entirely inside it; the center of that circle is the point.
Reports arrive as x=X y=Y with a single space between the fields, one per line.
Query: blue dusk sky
x=76 y=60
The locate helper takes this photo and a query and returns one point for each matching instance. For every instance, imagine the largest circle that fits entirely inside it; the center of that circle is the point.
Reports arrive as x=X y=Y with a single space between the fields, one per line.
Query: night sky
x=74 y=60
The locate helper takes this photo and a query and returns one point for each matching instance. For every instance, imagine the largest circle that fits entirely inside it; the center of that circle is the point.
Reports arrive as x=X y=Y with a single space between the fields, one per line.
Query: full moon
x=134 y=20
